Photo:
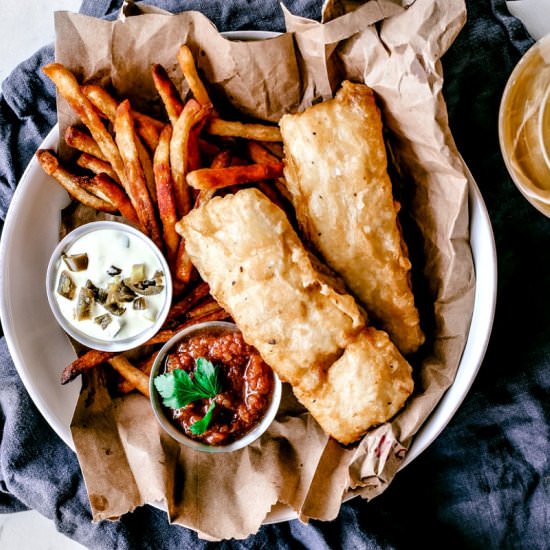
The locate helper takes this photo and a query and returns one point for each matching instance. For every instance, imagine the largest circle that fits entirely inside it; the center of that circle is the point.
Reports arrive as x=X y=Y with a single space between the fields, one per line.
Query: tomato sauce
x=247 y=386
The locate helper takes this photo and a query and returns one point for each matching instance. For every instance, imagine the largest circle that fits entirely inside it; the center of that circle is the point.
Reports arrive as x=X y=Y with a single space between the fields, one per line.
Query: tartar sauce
x=110 y=285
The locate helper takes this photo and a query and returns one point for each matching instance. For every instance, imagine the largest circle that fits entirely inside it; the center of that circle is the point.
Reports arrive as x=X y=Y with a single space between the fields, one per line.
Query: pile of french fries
x=153 y=172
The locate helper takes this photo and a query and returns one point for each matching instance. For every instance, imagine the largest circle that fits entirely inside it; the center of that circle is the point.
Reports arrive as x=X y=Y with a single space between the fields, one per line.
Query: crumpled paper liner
x=125 y=457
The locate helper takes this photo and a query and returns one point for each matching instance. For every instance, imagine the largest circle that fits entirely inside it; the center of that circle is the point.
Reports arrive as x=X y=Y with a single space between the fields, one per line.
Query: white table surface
x=25 y=26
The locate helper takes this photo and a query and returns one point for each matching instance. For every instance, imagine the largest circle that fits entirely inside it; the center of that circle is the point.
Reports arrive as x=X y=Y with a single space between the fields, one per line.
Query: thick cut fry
x=137 y=191
x=126 y=386
x=165 y=194
x=105 y=188
x=217 y=315
x=147 y=127
x=147 y=165
x=131 y=373
x=187 y=302
x=148 y=132
x=194 y=161
x=93 y=358
x=274 y=148
x=207 y=148
x=230 y=128
x=96 y=165
x=71 y=182
x=221 y=160
x=260 y=155
x=77 y=139
x=189 y=70
x=69 y=88
x=217 y=178
x=168 y=93
x=209 y=306
x=192 y=114
x=102 y=100
x=184 y=267
x=84 y=363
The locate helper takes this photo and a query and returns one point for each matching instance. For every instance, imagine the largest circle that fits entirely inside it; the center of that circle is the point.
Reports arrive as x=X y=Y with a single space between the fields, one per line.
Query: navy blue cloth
x=485 y=482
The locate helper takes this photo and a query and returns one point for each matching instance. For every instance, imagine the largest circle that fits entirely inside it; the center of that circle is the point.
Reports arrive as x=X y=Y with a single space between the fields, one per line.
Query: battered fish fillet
x=305 y=327
x=336 y=172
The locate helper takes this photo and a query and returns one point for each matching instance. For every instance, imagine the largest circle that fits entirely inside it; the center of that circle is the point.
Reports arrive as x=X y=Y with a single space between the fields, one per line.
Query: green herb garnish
x=200 y=426
x=178 y=389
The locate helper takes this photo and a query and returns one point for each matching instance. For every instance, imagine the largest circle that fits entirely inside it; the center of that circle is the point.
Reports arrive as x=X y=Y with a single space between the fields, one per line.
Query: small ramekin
x=115 y=345
x=217 y=327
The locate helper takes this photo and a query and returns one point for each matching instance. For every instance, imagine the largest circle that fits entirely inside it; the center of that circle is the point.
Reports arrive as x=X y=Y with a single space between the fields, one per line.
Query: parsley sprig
x=178 y=389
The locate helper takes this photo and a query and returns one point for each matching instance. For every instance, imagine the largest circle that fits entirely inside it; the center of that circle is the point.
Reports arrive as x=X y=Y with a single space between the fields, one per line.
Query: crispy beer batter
x=336 y=172
x=298 y=317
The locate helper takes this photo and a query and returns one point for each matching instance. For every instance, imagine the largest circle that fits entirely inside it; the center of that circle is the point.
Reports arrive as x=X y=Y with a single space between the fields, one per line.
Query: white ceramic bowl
x=41 y=350
x=106 y=344
x=216 y=328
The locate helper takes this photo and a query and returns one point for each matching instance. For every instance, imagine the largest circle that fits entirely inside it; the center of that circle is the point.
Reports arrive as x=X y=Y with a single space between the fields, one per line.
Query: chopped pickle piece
x=145 y=288
x=125 y=293
x=140 y=303
x=138 y=273
x=76 y=262
x=157 y=277
x=66 y=286
x=115 y=308
x=84 y=304
x=114 y=270
x=103 y=320
x=100 y=294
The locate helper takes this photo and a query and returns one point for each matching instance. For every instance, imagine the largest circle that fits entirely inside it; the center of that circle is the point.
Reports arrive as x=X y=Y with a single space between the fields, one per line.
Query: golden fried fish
x=336 y=172
x=300 y=320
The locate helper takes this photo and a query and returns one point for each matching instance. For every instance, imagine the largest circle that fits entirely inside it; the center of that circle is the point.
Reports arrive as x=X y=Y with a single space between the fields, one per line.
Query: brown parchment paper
x=125 y=458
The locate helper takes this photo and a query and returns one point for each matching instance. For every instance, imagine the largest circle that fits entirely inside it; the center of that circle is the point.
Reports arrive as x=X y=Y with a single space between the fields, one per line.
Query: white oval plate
x=41 y=350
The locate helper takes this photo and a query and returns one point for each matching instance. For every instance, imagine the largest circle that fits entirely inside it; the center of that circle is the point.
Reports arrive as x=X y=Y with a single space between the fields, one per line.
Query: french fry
x=183 y=267
x=193 y=149
x=71 y=182
x=69 y=88
x=165 y=194
x=137 y=185
x=168 y=93
x=207 y=148
x=102 y=100
x=189 y=70
x=138 y=378
x=187 y=302
x=84 y=363
x=230 y=128
x=274 y=148
x=192 y=114
x=148 y=131
x=77 y=139
x=217 y=178
x=221 y=160
x=147 y=165
x=96 y=165
x=260 y=155
x=105 y=188
x=93 y=358
x=147 y=127
x=126 y=386
x=204 y=308
x=217 y=315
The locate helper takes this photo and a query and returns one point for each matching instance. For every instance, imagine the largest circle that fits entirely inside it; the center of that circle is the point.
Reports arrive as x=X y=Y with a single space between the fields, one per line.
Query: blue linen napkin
x=485 y=482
